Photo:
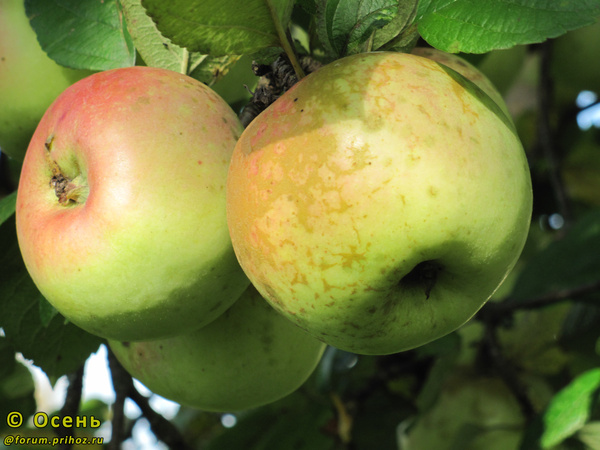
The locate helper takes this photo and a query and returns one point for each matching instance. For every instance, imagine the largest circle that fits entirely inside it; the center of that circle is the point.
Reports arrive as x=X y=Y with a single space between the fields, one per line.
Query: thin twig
x=120 y=380
x=162 y=428
x=546 y=134
x=507 y=372
x=509 y=306
x=285 y=41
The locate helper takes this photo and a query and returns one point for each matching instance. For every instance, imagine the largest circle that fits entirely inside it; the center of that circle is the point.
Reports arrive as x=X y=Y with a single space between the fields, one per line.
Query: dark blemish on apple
x=125 y=344
x=372 y=310
x=296 y=99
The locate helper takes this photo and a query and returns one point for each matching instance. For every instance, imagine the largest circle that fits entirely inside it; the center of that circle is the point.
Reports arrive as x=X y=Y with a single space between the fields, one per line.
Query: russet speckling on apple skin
x=138 y=248
x=380 y=202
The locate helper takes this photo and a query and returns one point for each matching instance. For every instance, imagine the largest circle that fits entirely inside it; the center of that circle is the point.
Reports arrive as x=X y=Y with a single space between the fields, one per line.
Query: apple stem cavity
x=423 y=275
x=68 y=191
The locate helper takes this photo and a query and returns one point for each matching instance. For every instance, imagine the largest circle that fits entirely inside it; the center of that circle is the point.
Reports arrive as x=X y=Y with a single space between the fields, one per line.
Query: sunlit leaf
x=221 y=27
x=81 y=34
x=477 y=27
x=570 y=409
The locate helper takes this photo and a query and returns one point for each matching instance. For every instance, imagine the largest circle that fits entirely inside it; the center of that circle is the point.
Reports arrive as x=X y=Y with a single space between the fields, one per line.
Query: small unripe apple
x=249 y=356
x=380 y=202
x=29 y=79
x=121 y=204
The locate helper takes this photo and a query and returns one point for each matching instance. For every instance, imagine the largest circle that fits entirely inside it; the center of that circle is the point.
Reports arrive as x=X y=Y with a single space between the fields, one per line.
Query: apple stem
x=286 y=43
x=185 y=61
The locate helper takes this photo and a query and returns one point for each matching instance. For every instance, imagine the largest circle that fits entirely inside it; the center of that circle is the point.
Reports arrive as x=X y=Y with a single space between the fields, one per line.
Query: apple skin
x=29 y=79
x=467 y=70
x=143 y=250
x=380 y=202
x=248 y=357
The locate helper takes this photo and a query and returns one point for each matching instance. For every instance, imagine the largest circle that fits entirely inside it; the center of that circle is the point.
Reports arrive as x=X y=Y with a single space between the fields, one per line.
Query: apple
x=249 y=356
x=380 y=202
x=29 y=79
x=467 y=70
x=120 y=209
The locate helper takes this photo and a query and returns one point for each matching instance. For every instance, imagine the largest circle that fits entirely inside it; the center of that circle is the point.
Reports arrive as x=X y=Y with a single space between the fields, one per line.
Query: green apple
x=380 y=202
x=249 y=356
x=120 y=210
x=29 y=79
x=467 y=70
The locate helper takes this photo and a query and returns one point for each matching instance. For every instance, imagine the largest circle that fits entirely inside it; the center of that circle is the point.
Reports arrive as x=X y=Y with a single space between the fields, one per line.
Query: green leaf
x=55 y=346
x=158 y=51
x=7 y=358
x=590 y=435
x=82 y=34
x=570 y=409
x=7 y=206
x=570 y=262
x=344 y=26
x=480 y=26
x=155 y=49
x=294 y=422
x=16 y=393
x=396 y=31
x=221 y=27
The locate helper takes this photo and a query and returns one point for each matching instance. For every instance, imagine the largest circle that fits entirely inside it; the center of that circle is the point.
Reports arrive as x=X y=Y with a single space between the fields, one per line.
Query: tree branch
x=120 y=380
x=506 y=371
x=498 y=311
x=162 y=428
x=546 y=134
x=71 y=408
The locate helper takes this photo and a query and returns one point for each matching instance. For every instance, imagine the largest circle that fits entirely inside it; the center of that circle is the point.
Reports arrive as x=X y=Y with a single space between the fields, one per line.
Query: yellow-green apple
x=249 y=356
x=121 y=204
x=467 y=70
x=379 y=202
x=29 y=79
